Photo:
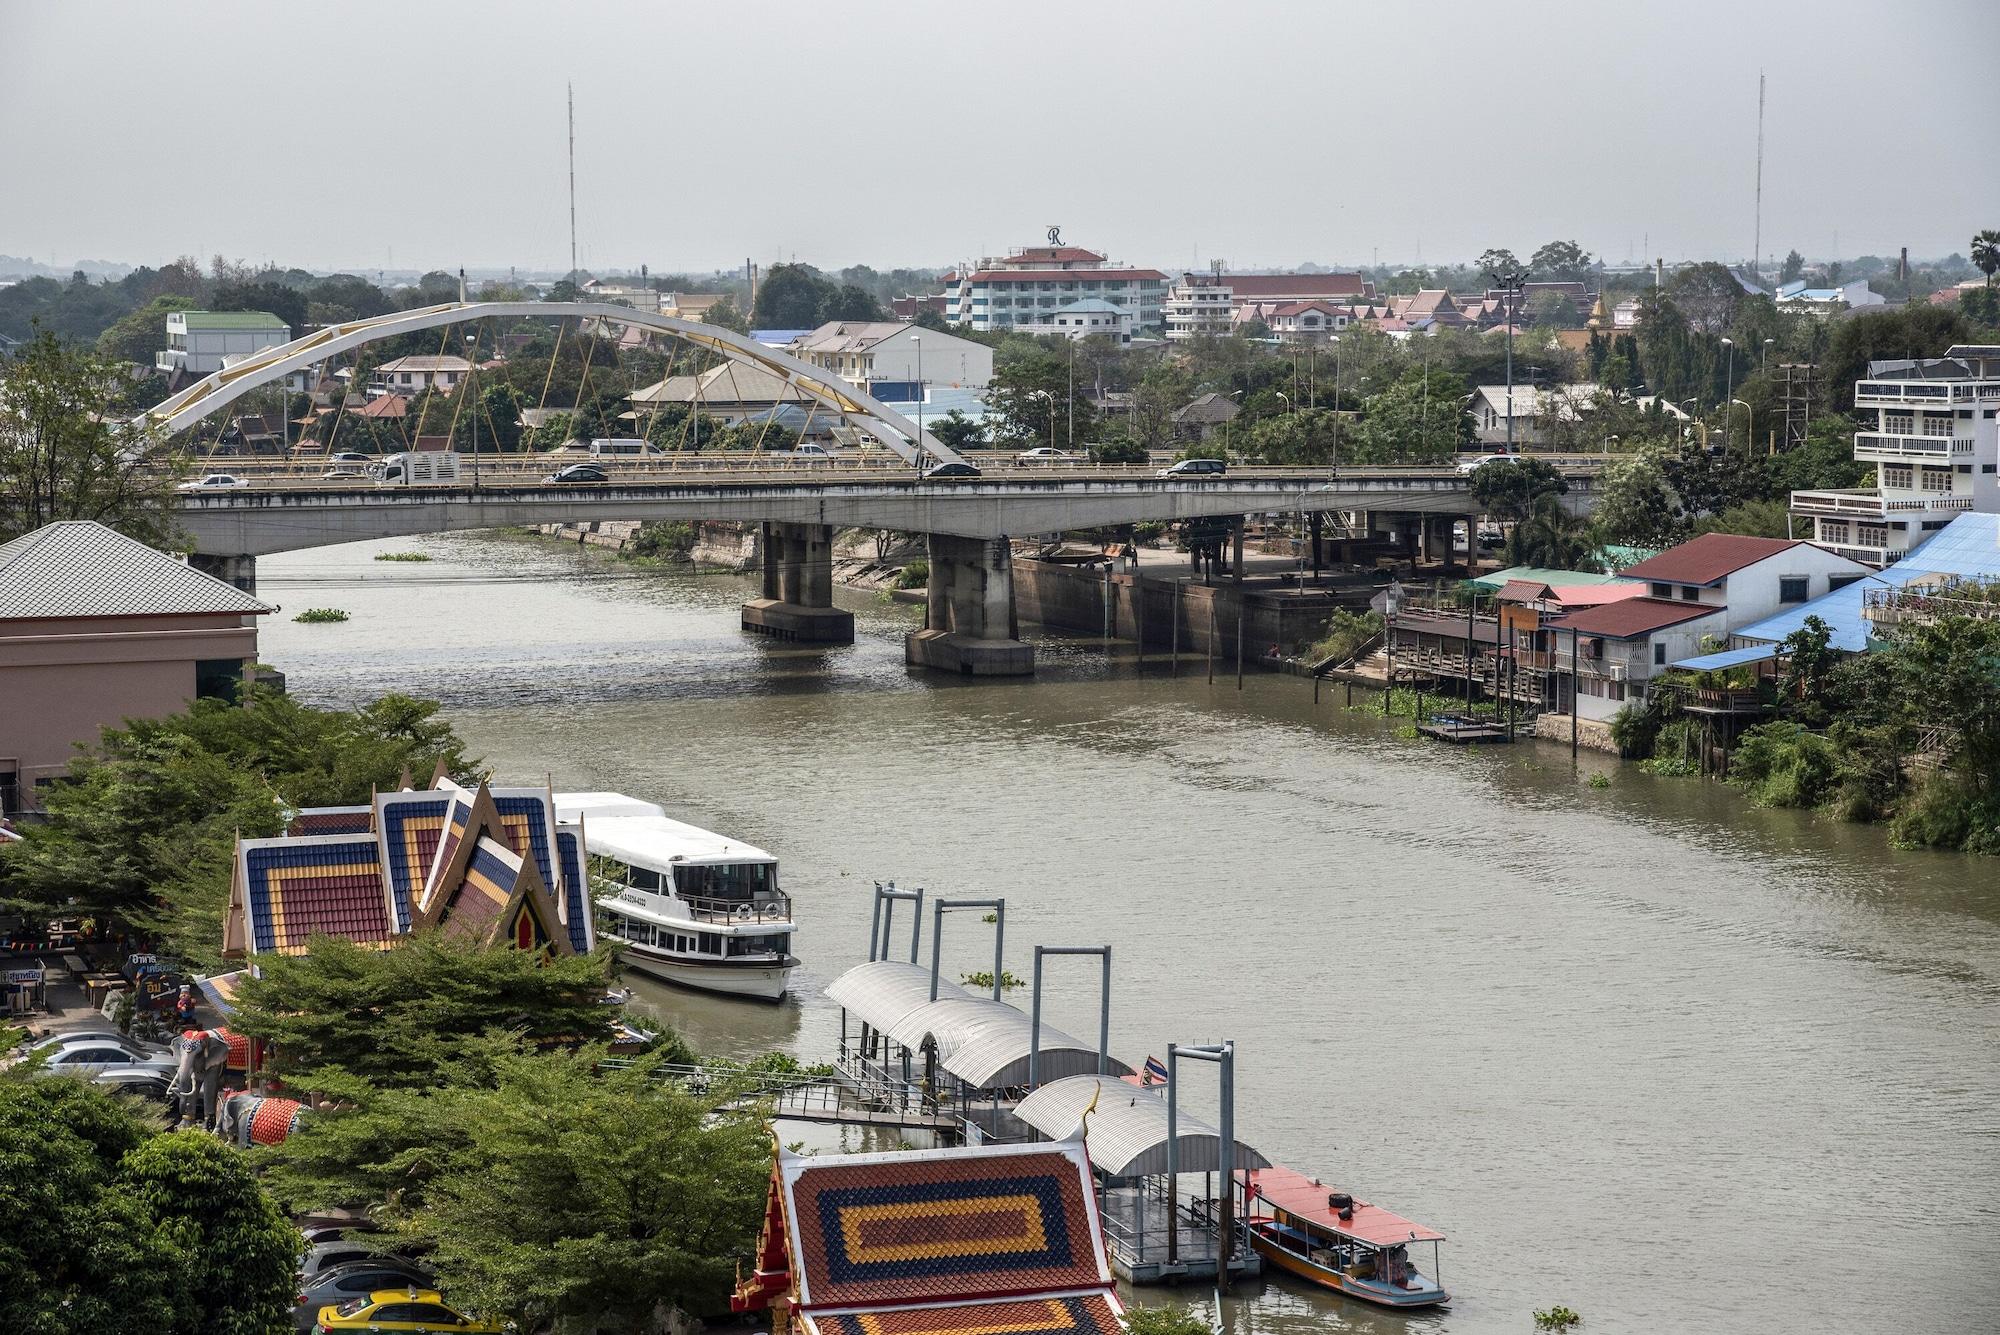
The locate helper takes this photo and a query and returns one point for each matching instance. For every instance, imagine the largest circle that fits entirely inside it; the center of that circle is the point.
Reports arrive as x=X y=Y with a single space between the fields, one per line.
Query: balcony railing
x=1878 y=443
x=1869 y=503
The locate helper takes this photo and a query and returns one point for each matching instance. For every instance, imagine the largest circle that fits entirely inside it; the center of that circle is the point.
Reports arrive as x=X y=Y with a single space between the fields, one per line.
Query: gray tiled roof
x=77 y=568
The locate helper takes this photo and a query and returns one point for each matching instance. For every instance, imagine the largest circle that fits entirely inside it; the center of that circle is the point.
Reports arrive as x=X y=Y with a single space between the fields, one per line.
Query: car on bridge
x=1046 y=454
x=1468 y=467
x=1195 y=468
x=809 y=453
x=951 y=468
x=577 y=475
x=215 y=482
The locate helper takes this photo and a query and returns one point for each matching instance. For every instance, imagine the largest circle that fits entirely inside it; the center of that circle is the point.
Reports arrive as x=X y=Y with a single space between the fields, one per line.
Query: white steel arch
x=217 y=391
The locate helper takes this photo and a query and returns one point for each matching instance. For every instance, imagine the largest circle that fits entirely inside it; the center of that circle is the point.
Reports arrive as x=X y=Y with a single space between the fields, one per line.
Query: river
x=1677 y=1063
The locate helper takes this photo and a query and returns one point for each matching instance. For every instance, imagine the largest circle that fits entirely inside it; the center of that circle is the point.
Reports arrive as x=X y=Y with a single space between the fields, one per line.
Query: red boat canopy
x=1306 y=1200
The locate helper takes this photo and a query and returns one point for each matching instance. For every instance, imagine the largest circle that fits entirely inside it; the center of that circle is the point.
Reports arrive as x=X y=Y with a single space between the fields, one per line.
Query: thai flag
x=1155 y=1071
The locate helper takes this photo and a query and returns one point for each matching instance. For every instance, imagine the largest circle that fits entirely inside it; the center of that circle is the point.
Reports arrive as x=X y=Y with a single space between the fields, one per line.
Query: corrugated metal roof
x=77 y=568
x=1555 y=579
x=982 y=1042
x=1756 y=653
x=1127 y=1135
x=1968 y=547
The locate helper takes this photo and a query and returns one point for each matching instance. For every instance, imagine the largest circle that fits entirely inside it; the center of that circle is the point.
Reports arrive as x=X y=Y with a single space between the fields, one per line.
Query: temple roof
x=289 y=889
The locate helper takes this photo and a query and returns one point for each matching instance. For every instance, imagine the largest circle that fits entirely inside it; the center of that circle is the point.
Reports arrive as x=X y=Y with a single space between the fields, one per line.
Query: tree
x=1898 y=332
x=1635 y=506
x=1548 y=536
x=724 y=315
x=563 y=1195
x=1985 y=254
x=1707 y=295
x=1563 y=261
x=1981 y=305
x=1755 y=519
x=1418 y=419
x=1794 y=265
x=792 y=296
x=61 y=458
x=140 y=336
x=287 y=303
x=1115 y=447
x=1304 y=437
x=496 y=415
x=957 y=431
x=1496 y=261
x=1507 y=488
x=1031 y=396
x=107 y=1226
x=390 y=1019
x=143 y=829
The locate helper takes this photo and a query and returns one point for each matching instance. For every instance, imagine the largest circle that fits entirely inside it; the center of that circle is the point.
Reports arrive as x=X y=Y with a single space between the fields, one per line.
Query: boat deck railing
x=772 y=909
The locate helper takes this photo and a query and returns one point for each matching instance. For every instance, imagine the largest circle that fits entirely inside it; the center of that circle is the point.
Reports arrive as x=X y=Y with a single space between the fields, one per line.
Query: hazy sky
x=421 y=134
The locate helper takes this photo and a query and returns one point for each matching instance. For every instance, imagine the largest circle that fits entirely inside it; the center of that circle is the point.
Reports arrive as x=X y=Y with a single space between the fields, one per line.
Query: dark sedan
x=578 y=473
x=357 y=1279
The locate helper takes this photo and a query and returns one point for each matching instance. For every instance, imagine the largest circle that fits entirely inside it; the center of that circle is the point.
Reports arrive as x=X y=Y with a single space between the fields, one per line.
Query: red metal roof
x=1590 y=595
x=1305 y=1199
x=1523 y=591
x=1059 y=275
x=1708 y=558
x=1632 y=617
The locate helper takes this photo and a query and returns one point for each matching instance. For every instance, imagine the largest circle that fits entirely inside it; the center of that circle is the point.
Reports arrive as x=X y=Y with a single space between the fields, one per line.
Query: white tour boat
x=687 y=905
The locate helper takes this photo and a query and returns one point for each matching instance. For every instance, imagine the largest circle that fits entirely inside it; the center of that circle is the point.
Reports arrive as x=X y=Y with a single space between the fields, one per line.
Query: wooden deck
x=1464 y=732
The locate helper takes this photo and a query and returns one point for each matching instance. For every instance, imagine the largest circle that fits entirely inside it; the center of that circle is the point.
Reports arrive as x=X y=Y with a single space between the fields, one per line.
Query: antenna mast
x=1757 y=236
x=572 y=181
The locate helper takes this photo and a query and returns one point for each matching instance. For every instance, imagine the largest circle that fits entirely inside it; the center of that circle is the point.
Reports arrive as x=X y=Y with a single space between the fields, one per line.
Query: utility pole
x=1757 y=236
x=572 y=182
x=1509 y=281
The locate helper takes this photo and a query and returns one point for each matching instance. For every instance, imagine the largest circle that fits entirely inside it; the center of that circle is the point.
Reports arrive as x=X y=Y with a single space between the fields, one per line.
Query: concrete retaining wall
x=1591 y=733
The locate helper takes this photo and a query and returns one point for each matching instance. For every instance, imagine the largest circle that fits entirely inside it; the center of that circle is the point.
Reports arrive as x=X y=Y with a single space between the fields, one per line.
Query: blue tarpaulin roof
x=1968 y=547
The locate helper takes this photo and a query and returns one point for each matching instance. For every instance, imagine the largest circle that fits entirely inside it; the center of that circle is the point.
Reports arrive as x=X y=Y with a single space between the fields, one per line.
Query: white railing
x=1855 y=501
x=1934 y=447
x=1896 y=391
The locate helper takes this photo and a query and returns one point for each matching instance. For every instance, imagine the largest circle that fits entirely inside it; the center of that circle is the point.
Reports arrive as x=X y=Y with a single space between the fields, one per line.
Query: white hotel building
x=1030 y=286
x=1935 y=444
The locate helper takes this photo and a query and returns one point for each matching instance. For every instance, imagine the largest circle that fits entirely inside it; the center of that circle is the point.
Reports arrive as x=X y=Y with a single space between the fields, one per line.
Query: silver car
x=86 y=1056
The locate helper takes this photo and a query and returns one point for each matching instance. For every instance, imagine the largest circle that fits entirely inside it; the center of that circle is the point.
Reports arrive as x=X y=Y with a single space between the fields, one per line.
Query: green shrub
x=1948 y=811
x=1149 y=531
x=401 y=556
x=1783 y=765
x=1117 y=448
x=662 y=539
x=1345 y=633
x=314 y=616
x=1676 y=749
x=914 y=574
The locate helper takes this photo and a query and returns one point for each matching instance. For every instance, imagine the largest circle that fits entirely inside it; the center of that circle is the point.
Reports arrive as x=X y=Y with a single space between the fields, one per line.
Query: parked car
x=1046 y=454
x=215 y=482
x=809 y=453
x=574 y=474
x=90 y=1055
x=321 y=1257
x=1468 y=467
x=357 y=1279
x=314 y=1234
x=1195 y=468
x=399 y=1309
x=348 y=457
x=951 y=469
x=140 y=1082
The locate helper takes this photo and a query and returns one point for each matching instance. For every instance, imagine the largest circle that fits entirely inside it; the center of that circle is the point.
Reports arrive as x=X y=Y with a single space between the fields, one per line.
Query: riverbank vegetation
x=402 y=556
x=1907 y=734
x=318 y=616
x=143 y=827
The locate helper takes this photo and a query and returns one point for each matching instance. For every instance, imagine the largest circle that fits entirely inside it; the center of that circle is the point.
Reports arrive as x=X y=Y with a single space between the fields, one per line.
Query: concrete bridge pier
x=969 y=624
x=797 y=602
x=240 y=571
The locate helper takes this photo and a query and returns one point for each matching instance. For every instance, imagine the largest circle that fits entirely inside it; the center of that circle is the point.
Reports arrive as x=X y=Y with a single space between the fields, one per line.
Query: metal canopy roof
x=984 y=1043
x=1727 y=658
x=1127 y=1135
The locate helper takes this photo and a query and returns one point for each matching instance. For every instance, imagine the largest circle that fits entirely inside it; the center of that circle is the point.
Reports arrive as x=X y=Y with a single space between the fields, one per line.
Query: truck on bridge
x=413 y=468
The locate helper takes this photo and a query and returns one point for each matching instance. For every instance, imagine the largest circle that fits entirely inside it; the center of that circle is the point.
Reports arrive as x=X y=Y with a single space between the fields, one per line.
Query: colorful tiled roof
x=1070 y=1314
x=879 y=1230
x=332 y=820
x=528 y=817
x=294 y=888
x=409 y=827
x=575 y=897
x=476 y=903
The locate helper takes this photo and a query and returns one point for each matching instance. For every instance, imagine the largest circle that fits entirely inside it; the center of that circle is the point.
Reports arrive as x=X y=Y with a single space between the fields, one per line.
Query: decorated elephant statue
x=202 y=1056
x=257 y=1119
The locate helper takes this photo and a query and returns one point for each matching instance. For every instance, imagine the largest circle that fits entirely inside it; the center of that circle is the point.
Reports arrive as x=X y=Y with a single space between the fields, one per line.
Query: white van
x=623 y=447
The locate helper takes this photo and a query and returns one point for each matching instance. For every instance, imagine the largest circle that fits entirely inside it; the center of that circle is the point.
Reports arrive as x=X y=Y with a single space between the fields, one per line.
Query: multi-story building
x=1092 y=317
x=1935 y=443
x=1028 y=287
x=888 y=358
x=1214 y=303
x=198 y=341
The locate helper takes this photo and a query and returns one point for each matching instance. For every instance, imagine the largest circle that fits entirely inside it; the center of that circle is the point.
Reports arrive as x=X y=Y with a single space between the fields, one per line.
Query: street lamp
x=1509 y=280
x=917 y=340
x=1728 y=386
x=471 y=368
x=1050 y=399
x=1333 y=460
x=1232 y=394
x=1767 y=352
x=1749 y=426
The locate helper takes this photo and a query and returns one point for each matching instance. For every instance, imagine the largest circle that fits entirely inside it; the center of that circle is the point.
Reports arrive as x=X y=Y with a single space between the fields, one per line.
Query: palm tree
x=1986 y=253
x=1548 y=536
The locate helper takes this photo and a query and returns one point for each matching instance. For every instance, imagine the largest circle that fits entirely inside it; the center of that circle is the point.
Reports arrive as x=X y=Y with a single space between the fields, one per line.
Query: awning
x=1729 y=658
x=220 y=989
x=1127 y=1134
x=1303 y=1198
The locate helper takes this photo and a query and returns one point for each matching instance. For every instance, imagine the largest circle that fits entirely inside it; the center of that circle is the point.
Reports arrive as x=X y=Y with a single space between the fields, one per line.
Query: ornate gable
x=409 y=827
x=482 y=888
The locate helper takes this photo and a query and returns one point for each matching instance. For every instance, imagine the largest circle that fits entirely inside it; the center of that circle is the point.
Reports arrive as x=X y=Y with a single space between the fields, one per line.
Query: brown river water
x=1677 y=1063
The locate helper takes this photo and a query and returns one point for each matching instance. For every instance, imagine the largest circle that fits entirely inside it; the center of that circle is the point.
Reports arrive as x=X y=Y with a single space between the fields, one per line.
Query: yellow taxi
x=400 y=1309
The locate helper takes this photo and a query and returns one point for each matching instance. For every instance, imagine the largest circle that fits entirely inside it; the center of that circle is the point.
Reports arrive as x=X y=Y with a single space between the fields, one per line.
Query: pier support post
x=797 y=602
x=969 y=604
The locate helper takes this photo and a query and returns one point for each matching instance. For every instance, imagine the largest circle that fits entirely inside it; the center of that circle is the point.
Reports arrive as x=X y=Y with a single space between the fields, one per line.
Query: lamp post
x=1333 y=458
x=471 y=368
x=1765 y=364
x=1049 y=399
x=1749 y=425
x=1509 y=280
x=917 y=340
x=1728 y=387
x=1233 y=394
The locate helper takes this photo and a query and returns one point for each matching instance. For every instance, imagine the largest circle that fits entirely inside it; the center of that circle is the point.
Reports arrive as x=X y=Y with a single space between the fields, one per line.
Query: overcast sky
x=423 y=134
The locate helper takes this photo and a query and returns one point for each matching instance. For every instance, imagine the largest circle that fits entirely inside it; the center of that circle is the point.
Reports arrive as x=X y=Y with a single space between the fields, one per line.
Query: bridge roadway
x=286 y=513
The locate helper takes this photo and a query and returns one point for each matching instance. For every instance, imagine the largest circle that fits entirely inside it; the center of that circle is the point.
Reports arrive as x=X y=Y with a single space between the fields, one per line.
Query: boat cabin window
x=645 y=878
x=735 y=882
x=757 y=945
